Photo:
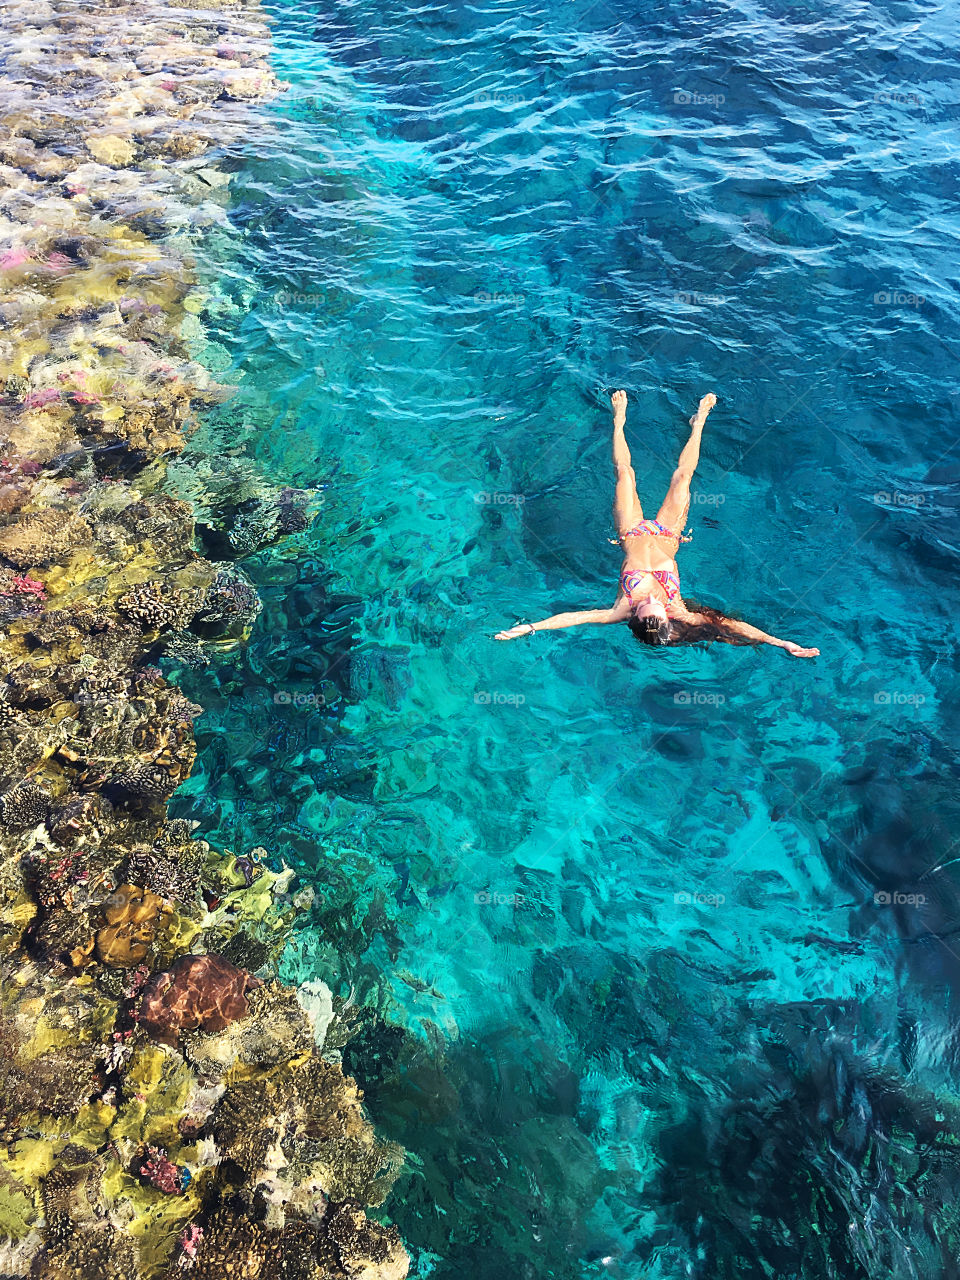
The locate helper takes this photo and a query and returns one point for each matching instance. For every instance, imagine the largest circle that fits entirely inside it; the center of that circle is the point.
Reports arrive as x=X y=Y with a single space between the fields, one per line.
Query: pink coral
x=190 y=1238
x=40 y=399
x=25 y=586
x=15 y=257
x=162 y=1173
x=137 y=980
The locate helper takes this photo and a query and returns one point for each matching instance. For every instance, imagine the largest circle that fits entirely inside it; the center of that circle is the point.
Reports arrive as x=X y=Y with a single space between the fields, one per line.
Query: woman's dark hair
x=652 y=629
x=655 y=631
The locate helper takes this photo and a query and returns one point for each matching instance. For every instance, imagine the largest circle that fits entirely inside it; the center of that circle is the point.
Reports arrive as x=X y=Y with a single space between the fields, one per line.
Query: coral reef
x=163 y=1100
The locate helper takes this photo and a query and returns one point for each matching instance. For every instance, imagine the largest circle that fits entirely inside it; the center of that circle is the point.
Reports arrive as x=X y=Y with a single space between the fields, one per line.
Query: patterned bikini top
x=668 y=580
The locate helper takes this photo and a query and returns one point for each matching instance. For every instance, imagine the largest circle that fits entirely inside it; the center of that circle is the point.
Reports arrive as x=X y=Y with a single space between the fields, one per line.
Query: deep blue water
x=654 y=956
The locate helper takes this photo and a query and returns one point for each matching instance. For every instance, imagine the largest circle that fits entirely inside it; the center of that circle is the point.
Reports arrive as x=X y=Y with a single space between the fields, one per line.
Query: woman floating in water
x=649 y=599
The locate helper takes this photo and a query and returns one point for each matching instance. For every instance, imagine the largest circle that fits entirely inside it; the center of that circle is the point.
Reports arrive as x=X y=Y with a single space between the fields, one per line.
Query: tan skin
x=645 y=553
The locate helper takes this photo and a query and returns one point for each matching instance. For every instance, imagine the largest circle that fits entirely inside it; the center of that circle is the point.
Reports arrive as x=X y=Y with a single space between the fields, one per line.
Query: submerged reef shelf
x=166 y=1103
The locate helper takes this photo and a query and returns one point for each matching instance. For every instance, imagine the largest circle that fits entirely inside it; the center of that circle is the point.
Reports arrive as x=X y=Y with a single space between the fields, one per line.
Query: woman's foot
x=619 y=402
x=703 y=408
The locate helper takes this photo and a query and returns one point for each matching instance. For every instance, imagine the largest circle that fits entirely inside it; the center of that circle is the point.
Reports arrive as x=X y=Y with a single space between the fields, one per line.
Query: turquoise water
x=652 y=956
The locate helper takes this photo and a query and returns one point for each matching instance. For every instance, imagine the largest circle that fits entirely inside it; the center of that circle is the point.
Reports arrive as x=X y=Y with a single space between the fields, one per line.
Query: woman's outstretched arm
x=744 y=629
x=560 y=620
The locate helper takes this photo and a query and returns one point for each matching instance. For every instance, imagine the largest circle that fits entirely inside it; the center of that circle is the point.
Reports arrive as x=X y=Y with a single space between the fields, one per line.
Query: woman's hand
x=524 y=629
x=797 y=652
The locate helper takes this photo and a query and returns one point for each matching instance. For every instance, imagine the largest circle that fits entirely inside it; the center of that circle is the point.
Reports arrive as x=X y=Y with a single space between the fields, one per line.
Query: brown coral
x=205 y=992
x=55 y=1084
x=367 y=1251
x=234 y=1248
x=154 y=605
x=44 y=538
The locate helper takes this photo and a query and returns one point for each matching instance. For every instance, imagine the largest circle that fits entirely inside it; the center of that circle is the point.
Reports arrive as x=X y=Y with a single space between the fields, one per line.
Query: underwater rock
x=200 y=991
x=261 y=521
x=245 y=951
x=185 y=650
x=346 y=1247
x=56 y=1083
x=234 y=1248
x=276 y=1031
x=102 y=1251
x=309 y=1112
x=367 y=1251
x=316 y=1000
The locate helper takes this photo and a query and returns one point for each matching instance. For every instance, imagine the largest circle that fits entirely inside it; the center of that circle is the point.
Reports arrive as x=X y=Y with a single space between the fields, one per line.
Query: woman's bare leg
x=673 y=512
x=627 y=510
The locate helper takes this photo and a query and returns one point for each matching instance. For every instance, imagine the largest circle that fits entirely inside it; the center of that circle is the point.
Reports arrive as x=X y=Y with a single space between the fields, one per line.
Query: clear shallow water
x=609 y=915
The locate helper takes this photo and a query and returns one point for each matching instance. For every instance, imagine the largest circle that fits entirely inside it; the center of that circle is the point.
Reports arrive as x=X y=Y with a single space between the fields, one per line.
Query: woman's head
x=651 y=628
x=651 y=623
x=649 y=620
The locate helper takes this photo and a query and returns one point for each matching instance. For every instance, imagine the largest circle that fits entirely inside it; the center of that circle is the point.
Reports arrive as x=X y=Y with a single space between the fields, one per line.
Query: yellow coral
x=133 y=921
x=157 y=1084
x=30 y=1159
